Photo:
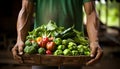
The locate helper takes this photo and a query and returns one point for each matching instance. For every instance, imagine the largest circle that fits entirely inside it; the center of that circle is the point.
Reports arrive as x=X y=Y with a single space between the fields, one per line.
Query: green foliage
x=112 y=14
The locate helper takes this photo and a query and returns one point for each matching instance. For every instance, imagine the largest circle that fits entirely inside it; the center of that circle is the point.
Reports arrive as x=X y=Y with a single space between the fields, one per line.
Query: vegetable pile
x=53 y=40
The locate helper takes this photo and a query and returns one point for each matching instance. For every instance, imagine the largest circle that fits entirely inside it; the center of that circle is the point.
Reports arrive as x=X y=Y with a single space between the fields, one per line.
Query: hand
x=96 y=53
x=17 y=51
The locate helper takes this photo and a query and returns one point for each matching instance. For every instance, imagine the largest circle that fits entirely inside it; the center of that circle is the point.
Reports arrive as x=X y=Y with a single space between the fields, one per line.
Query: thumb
x=20 y=50
x=93 y=51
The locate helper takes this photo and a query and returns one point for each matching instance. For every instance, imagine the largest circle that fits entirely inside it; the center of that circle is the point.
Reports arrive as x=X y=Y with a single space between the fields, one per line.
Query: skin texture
x=92 y=29
x=24 y=22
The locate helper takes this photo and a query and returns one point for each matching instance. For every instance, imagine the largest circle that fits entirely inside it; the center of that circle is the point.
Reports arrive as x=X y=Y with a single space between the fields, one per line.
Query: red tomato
x=48 y=52
x=45 y=40
x=42 y=44
x=50 y=46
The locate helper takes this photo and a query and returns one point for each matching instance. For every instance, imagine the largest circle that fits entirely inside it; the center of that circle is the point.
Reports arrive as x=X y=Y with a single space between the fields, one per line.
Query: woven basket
x=51 y=60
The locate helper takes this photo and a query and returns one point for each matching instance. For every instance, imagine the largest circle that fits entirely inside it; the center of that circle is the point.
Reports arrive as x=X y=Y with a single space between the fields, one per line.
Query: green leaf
x=51 y=25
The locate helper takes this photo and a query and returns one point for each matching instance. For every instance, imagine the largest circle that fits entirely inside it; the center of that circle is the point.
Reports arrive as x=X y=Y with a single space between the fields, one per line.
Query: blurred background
x=109 y=36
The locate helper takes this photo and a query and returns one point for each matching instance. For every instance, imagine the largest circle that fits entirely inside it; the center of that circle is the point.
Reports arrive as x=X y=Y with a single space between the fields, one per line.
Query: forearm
x=92 y=27
x=24 y=20
x=92 y=21
x=23 y=25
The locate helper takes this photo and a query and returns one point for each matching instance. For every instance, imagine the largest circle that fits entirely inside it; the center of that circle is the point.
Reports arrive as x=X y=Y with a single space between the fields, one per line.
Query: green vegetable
x=80 y=46
x=70 y=40
x=83 y=50
x=28 y=43
x=61 y=47
x=70 y=29
x=68 y=33
x=87 y=53
x=72 y=43
x=30 y=49
x=67 y=52
x=81 y=40
x=58 y=41
x=72 y=46
x=75 y=52
x=41 y=50
x=58 y=52
x=35 y=44
x=65 y=42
